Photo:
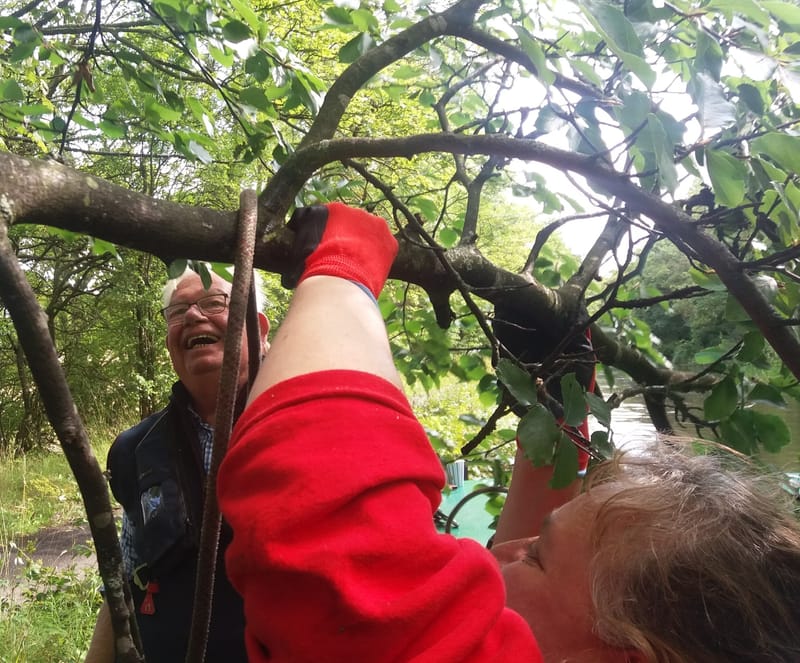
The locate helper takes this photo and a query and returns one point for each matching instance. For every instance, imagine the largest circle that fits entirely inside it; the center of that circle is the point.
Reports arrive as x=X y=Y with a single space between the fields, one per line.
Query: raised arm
x=330 y=486
x=530 y=499
x=333 y=322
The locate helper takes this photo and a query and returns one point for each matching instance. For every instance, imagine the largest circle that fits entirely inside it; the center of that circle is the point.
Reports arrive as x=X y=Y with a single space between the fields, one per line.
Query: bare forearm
x=331 y=324
x=101 y=647
x=529 y=500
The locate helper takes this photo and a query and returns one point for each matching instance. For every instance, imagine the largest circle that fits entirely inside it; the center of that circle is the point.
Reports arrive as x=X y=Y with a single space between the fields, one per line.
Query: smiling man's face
x=196 y=344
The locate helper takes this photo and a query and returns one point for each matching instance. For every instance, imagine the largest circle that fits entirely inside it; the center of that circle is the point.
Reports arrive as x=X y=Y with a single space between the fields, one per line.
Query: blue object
x=465 y=507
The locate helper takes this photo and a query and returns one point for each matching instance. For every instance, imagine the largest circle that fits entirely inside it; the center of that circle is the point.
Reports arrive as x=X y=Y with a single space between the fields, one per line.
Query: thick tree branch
x=48 y=193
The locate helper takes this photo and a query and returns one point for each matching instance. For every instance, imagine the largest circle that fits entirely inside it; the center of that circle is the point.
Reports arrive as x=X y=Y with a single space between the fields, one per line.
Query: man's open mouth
x=202 y=339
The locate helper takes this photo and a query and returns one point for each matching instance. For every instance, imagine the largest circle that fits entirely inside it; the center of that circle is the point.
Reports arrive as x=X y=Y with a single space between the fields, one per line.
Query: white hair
x=171 y=285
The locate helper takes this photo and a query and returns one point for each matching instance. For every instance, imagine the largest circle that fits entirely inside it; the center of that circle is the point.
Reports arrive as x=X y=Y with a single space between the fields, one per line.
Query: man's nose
x=193 y=313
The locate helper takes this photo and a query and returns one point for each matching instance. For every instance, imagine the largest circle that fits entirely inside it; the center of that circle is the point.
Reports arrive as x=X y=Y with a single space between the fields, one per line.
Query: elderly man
x=157 y=473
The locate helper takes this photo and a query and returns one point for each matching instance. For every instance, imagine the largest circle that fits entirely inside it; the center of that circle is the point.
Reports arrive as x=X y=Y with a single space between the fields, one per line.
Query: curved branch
x=31 y=325
x=668 y=218
x=48 y=193
x=279 y=192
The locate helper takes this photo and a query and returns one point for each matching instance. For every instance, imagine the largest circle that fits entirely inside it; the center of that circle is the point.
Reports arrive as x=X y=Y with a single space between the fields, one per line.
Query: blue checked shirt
x=205 y=435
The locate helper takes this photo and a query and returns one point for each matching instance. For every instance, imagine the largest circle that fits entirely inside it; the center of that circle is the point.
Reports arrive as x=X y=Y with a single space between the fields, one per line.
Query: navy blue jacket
x=156 y=474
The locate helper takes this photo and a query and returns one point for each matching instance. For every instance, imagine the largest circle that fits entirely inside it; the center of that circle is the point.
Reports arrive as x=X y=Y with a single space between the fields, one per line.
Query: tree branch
x=31 y=325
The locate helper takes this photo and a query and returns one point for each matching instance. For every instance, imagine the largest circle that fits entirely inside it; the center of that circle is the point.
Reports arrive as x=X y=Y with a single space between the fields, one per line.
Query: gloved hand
x=337 y=240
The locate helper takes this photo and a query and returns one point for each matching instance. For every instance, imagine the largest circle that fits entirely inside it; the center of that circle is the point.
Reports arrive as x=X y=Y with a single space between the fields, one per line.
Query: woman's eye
x=532 y=555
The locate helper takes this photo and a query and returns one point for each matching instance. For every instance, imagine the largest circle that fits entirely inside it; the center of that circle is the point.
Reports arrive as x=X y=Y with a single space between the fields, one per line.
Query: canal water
x=631 y=425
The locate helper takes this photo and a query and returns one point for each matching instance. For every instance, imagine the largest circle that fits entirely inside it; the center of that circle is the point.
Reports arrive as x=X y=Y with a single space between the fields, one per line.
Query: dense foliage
x=664 y=133
x=480 y=130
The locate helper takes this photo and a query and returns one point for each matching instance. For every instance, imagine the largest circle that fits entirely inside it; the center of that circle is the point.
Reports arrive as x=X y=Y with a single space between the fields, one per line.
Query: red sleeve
x=330 y=487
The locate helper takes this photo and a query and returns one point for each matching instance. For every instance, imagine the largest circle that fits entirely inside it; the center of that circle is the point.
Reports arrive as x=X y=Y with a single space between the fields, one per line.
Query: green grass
x=50 y=616
x=37 y=491
x=52 y=620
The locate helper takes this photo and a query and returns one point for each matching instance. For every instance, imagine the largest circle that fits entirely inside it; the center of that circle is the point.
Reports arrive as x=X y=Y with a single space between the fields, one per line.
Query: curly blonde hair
x=695 y=560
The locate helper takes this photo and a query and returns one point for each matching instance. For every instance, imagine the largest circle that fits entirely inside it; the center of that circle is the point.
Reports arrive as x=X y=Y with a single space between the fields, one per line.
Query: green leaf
x=781 y=148
x=566 y=466
x=772 y=431
x=258 y=66
x=101 y=247
x=11 y=91
x=787 y=13
x=708 y=356
x=752 y=347
x=653 y=139
x=608 y=374
x=158 y=113
x=602 y=444
x=517 y=381
x=274 y=92
x=728 y=176
x=236 y=31
x=708 y=55
x=364 y=20
x=635 y=109
x=254 y=96
x=222 y=55
x=427 y=207
x=356 y=47
x=621 y=38
x=747 y=8
x=599 y=409
x=20 y=52
x=177 y=267
x=766 y=285
x=448 y=237
x=707 y=280
x=534 y=51
x=406 y=72
x=722 y=401
x=471 y=419
x=199 y=151
x=738 y=432
x=112 y=129
x=766 y=393
x=615 y=26
x=247 y=14
x=734 y=311
x=538 y=433
x=751 y=97
x=716 y=111
x=573 y=400
x=35 y=110
x=304 y=86
x=196 y=107
x=11 y=22
x=338 y=16
x=203 y=269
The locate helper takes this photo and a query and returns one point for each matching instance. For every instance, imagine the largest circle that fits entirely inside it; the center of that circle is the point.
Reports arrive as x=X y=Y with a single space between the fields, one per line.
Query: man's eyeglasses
x=174 y=314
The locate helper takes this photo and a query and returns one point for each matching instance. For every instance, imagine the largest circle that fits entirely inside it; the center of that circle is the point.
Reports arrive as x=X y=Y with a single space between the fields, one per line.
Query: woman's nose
x=511 y=551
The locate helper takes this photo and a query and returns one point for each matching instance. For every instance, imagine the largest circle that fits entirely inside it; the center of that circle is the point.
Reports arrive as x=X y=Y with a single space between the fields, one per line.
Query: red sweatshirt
x=330 y=486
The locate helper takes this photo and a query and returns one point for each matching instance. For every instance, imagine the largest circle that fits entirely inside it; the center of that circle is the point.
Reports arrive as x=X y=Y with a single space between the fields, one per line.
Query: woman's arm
x=530 y=498
x=331 y=324
x=330 y=486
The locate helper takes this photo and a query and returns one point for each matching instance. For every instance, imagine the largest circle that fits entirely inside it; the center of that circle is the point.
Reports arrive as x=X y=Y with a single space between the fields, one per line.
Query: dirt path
x=61 y=548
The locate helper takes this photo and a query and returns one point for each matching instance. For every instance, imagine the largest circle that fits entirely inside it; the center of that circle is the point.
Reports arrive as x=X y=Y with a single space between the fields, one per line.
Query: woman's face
x=547 y=582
